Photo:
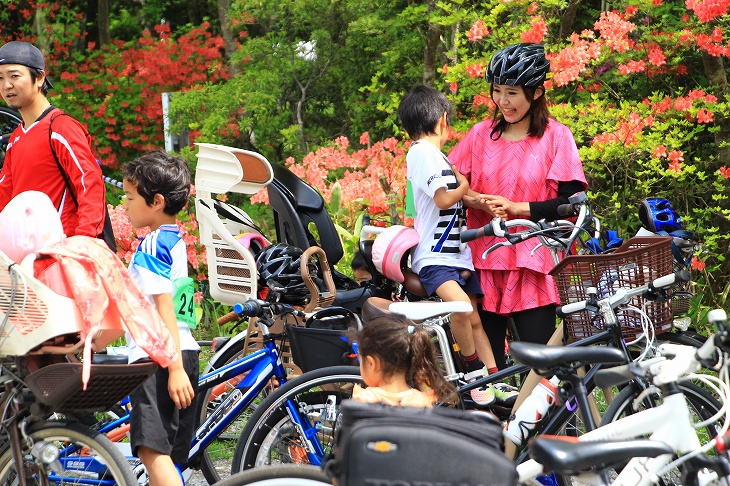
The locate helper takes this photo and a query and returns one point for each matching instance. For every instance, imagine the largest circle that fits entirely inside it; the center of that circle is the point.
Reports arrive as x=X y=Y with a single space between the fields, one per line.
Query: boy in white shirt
x=162 y=422
x=440 y=259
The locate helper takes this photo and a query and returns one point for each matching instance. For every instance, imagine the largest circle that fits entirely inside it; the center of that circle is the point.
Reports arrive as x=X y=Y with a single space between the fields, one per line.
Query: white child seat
x=222 y=169
x=36 y=320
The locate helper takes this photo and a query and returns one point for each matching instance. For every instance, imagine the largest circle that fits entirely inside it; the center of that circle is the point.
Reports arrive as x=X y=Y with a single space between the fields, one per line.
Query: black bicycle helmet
x=519 y=65
x=657 y=214
x=279 y=269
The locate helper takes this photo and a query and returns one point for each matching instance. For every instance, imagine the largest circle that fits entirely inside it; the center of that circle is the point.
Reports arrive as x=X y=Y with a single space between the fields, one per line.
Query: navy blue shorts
x=433 y=276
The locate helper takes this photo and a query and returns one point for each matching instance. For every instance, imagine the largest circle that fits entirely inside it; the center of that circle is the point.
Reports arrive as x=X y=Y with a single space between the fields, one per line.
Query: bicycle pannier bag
x=381 y=445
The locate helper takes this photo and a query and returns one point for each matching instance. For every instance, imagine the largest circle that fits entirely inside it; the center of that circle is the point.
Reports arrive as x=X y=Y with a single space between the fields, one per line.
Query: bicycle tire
x=281 y=475
x=89 y=443
x=222 y=448
x=269 y=435
x=9 y=120
x=701 y=402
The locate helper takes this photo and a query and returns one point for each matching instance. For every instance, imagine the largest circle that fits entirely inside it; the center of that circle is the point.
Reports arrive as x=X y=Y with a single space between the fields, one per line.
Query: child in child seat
x=397 y=363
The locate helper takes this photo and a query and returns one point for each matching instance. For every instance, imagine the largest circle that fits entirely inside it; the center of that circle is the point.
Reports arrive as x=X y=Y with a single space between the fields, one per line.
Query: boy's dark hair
x=421 y=109
x=358 y=262
x=160 y=173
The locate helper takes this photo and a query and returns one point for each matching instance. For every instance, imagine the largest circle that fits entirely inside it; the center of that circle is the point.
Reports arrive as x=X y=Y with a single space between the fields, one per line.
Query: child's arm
x=178 y=384
x=445 y=199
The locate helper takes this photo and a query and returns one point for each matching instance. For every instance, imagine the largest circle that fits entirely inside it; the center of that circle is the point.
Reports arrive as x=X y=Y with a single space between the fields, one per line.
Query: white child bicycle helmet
x=391 y=249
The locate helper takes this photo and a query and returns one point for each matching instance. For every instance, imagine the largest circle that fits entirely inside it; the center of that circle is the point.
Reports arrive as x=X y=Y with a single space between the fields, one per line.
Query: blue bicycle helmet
x=657 y=214
x=519 y=65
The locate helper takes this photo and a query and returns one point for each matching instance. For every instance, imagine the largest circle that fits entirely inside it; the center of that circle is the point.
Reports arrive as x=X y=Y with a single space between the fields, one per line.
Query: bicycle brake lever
x=492 y=248
x=532 y=252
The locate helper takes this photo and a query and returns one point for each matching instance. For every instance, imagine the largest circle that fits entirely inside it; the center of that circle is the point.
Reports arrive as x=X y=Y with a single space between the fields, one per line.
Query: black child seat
x=296 y=204
x=382 y=444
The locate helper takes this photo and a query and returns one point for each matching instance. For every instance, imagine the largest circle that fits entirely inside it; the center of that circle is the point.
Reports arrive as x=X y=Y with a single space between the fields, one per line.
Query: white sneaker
x=473 y=375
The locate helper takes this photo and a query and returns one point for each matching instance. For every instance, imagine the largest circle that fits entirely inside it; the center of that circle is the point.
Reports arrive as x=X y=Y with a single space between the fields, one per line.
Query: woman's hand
x=502 y=207
x=473 y=200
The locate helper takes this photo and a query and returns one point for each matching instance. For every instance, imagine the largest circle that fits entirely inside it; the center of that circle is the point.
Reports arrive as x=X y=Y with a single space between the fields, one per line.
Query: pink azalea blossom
x=478 y=31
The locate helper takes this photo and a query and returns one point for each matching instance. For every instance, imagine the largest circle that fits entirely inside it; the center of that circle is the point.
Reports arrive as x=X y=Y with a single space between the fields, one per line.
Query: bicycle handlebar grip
x=250 y=308
x=473 y=234
x=671 y=279
x=231 y=316
x=564 y=310
x=565 y=210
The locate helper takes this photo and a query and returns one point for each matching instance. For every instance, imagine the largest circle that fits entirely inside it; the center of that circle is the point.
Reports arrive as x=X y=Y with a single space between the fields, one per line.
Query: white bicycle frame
x=668 y=422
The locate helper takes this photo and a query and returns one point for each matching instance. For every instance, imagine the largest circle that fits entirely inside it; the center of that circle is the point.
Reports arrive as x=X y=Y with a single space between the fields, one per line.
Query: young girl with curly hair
x=397 y=363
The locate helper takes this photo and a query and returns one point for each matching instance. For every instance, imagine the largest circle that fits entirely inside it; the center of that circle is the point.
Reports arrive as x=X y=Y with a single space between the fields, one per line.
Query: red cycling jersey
x=30 y=166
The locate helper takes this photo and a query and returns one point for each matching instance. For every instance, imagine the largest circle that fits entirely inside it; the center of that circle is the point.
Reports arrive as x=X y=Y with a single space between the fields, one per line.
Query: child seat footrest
x=58 y=386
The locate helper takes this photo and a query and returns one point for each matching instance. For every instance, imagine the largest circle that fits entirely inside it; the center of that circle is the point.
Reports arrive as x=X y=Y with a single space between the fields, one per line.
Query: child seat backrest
x=382 y=444
x=231 y=266
x=296 y=204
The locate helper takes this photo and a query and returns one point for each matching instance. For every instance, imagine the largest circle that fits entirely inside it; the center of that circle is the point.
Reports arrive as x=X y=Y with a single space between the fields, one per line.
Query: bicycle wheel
x=270 y=437
x=702 y=405
x=281 y=475
x=215 y=460
x=87 y=457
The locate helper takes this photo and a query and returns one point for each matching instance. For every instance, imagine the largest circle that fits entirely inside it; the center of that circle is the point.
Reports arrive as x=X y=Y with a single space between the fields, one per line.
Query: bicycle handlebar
x=256 y=308
x=473 y=234
x=550 y=233
x=623 y=296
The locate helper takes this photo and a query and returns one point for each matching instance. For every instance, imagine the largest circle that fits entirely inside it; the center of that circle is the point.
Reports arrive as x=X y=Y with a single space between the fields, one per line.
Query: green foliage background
x=304 y=72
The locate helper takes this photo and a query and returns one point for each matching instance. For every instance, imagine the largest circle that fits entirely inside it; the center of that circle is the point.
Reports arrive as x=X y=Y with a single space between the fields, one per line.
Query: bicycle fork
x=313 y=448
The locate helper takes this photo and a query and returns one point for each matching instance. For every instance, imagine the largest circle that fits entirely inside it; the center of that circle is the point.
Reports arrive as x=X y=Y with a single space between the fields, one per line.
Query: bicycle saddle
x=565 y=454
x=543 y=357
x=375 y=307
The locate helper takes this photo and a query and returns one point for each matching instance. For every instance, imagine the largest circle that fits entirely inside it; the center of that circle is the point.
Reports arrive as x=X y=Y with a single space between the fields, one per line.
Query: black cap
x=26 y=54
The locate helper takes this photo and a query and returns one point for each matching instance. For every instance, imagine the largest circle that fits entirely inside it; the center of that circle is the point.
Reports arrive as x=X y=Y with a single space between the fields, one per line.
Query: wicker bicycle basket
x=637 y=262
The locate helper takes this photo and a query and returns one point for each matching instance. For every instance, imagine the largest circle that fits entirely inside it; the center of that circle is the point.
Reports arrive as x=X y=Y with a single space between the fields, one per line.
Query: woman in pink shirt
x=523 y=164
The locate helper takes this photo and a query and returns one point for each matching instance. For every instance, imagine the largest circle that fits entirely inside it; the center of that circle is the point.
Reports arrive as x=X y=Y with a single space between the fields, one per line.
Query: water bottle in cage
x=532 y=410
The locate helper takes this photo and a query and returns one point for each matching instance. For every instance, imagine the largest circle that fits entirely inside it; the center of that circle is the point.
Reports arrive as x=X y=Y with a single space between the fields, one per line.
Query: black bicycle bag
x=381 y=445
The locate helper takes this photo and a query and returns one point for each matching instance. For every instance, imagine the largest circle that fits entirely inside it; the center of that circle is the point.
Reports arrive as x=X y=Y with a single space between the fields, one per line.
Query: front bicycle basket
x=637 y=262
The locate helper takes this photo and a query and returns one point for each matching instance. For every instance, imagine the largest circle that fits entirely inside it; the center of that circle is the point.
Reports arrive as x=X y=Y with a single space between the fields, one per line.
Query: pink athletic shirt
x=523 y=170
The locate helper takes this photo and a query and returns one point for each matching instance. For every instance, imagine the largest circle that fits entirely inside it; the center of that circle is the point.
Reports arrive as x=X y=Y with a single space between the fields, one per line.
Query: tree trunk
x=39 y=25
x=433 y=39
x=717 y=76
x=102 y=22
x=568 y=18
x=229 y=42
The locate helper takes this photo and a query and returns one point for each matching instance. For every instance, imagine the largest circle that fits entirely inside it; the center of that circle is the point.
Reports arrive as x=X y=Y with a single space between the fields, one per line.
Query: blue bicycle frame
x=259 y=367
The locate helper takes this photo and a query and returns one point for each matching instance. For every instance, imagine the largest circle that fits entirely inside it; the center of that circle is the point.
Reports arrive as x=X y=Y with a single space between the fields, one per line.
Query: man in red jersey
x=49 y=151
